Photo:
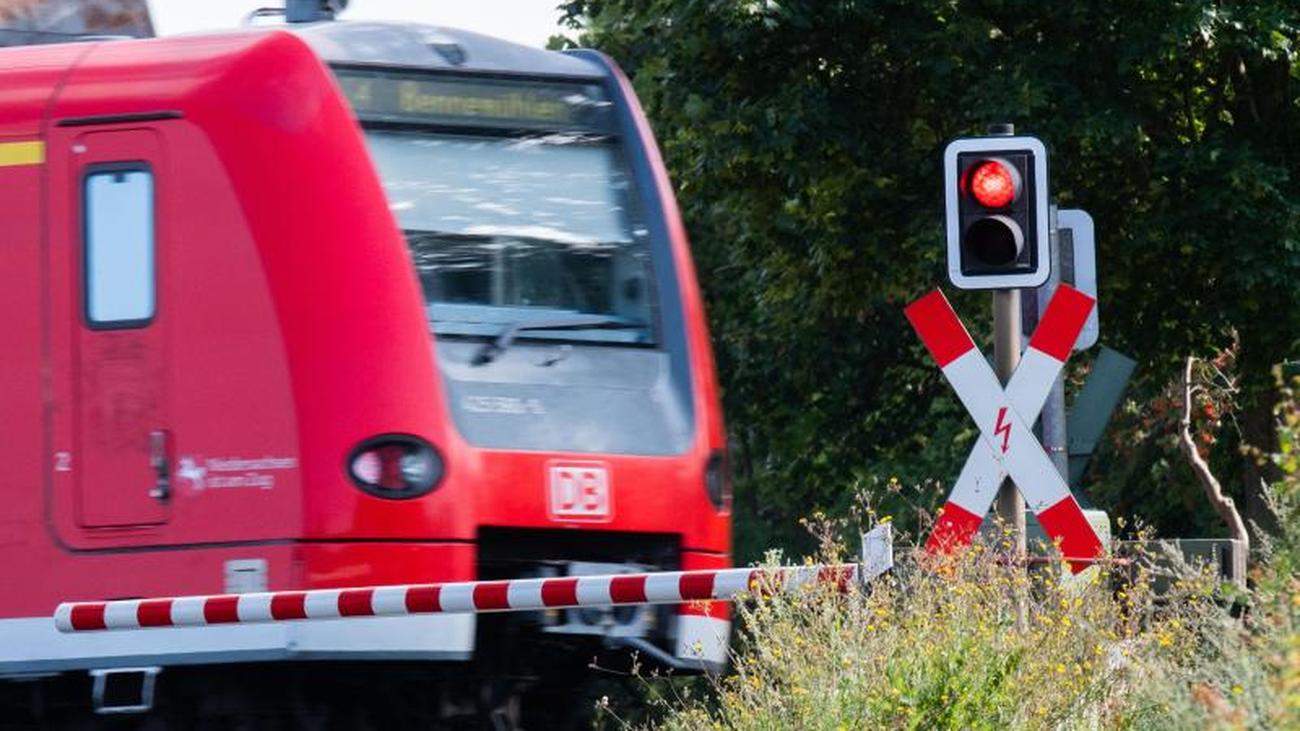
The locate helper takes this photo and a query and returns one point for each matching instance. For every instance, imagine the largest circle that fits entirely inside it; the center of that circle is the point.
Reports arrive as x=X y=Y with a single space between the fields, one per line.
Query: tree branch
x=1223 y=504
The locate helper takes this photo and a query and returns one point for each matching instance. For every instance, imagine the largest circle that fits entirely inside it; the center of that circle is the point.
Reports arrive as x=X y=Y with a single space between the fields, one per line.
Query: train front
x=568 y=329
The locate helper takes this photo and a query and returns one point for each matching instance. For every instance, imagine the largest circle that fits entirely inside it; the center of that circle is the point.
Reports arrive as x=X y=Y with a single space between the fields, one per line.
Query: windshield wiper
x=493 y=349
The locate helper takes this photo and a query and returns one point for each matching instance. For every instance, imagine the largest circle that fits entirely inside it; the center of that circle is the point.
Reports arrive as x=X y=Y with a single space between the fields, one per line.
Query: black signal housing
x=996 y=205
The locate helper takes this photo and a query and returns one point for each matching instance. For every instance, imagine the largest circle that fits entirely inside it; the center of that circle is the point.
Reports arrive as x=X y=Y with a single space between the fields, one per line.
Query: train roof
x=131 y=76
x=434 y=47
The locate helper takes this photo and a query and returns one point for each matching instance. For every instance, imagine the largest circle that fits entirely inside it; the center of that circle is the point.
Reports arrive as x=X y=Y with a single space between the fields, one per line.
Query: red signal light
x=994 y=183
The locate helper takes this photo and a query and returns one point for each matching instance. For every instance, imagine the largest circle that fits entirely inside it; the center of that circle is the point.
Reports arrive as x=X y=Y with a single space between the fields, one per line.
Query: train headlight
x=717 y=480
x=395 y=466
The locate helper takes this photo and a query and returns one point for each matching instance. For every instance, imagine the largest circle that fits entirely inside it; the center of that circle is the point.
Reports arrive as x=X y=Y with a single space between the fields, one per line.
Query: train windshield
x=516 y=205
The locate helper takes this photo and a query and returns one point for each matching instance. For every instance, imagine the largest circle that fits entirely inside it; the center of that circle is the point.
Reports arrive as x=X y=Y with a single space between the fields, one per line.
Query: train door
x=109 y=325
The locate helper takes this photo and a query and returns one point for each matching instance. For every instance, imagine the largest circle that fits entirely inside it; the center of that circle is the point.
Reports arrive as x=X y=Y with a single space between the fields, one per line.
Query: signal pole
x=1006 y=356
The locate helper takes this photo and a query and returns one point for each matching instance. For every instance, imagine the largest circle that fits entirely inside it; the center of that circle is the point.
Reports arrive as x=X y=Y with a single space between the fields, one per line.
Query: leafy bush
x=805 y=140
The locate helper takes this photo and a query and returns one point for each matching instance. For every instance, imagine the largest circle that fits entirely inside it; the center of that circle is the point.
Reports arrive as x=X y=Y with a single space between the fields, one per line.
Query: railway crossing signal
x=1004 y=416
x=995 y=205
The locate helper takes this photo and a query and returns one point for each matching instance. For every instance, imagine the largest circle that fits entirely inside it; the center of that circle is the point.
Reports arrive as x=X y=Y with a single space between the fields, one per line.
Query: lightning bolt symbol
x=1003 y=428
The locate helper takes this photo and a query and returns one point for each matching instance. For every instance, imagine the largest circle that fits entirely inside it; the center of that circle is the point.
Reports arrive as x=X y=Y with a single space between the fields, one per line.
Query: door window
x=119 y=246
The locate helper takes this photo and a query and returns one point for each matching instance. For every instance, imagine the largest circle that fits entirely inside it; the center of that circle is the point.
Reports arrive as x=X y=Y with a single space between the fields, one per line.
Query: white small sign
x=200 y=474
x=1080 y=269
x=580 y=491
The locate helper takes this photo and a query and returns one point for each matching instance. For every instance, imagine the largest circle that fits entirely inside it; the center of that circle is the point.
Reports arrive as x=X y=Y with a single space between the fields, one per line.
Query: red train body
x=227 y=368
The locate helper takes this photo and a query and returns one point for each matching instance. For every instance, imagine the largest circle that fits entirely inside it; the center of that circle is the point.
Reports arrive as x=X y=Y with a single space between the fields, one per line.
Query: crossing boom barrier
x=660 y=587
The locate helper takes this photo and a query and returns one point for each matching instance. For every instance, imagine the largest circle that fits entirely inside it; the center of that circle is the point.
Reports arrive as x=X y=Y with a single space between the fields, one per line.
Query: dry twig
x=1223 y=504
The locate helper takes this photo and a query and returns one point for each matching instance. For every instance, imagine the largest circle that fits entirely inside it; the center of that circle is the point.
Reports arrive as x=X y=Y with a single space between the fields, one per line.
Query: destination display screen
x=445 y=99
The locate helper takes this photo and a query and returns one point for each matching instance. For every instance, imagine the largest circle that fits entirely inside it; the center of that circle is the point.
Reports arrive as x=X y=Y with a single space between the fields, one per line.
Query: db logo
x=580 y=491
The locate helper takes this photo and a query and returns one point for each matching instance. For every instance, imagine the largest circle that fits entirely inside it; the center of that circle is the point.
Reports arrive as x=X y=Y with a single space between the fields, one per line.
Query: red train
x=343 y=304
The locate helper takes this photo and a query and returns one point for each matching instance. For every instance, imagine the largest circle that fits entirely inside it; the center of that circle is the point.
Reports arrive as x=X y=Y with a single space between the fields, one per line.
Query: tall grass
x=968 y=642
x=965 y=643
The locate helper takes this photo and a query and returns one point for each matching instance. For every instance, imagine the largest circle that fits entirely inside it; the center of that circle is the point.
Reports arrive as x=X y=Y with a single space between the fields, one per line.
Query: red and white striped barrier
x=664 y=587
x=1004 y=417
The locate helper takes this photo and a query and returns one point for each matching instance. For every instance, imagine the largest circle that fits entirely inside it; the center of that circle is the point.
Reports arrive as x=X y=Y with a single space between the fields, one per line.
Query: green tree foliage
x=804 y=137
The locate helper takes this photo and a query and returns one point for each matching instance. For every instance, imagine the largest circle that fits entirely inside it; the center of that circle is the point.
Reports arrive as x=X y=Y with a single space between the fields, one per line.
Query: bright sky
x=529 y=22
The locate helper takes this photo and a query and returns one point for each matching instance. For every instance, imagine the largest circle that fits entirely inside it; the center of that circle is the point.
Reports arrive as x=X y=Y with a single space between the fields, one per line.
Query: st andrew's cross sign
x=1004 y=417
